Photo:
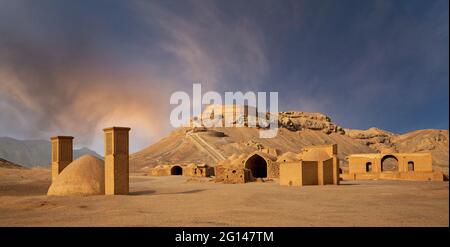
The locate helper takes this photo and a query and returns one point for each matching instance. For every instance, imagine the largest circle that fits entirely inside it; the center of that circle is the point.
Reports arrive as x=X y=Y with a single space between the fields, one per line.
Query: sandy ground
x=180 y=201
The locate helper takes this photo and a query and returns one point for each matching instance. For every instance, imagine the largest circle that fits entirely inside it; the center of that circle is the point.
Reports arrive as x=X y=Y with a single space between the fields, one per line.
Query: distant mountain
x=6 y=164
x=31 y=153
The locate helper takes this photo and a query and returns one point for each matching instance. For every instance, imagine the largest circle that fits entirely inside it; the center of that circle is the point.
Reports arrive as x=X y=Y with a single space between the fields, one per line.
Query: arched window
x=369 y=167
x=410 y=166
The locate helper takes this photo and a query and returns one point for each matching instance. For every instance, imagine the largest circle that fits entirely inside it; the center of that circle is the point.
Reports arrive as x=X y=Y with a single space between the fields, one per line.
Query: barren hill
x=428 y=140
x=297 y=130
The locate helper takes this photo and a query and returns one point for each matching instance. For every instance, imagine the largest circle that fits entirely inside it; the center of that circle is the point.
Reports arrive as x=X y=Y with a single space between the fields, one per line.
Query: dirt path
x=205 y=147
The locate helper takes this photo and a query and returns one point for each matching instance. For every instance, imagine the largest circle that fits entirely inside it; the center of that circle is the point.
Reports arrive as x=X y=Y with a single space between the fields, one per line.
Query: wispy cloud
x=74 y=73
x=204 y=45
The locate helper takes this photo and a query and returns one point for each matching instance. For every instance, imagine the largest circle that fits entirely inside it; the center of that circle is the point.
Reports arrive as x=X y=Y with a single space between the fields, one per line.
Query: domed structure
x=288 y=157
x=233 y=156
x=314 y=155
x=84 y=176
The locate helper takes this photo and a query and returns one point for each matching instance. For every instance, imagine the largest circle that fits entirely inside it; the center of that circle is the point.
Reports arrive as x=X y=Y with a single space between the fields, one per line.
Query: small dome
x=241 y=156
x=233 y=156
x=84 y=176
x=314 y=155
x=288 y=157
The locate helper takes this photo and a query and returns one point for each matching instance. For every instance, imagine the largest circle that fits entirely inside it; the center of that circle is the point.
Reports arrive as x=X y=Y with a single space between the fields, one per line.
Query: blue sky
x=74 y=67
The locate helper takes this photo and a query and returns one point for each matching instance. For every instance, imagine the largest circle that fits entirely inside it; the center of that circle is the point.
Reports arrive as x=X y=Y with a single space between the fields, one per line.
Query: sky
x=76 y=67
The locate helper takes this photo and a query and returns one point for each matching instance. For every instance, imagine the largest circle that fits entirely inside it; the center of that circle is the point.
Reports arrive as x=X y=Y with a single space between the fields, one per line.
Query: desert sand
x=184 y=201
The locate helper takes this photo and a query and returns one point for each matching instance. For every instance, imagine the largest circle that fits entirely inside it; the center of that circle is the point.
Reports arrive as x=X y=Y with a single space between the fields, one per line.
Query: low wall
x=415 y=176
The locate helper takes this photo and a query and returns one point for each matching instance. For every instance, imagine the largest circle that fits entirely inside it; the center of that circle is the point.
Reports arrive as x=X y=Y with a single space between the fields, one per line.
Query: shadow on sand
x=148 y=192
x=343 y=184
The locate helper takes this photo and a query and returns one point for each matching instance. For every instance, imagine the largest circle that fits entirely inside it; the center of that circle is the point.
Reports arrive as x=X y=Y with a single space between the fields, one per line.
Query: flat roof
x=375 y=155
x=61 y=137
x=116 y=128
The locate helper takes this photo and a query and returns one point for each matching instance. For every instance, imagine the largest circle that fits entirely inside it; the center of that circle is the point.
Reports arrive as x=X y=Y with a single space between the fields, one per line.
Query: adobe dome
x=233 y=156
x=314 y=155
x=288 y=157
x=84 y=176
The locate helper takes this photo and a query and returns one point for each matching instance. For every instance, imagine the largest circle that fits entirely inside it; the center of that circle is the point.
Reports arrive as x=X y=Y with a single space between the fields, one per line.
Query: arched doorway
x=257 y=165
x=389 y=163
x=176 y=170
x=410 y=166
x=369 y=167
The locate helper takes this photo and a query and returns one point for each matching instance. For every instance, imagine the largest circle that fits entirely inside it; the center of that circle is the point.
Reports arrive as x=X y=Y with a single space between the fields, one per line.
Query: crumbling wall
x=163 y=170
x=232 y=174
x=273 y=170
x=198 y=170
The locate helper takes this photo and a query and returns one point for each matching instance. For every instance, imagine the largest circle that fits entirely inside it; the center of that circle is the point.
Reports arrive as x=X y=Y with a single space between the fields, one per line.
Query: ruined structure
x=116 y=161
x=167 y=170
x=247 y=168
x=262 y=165
x=271 y=151
x=62 y=153
x=198 y=170
x=229 y=115
x=176 y=170
x=159 y=170
x=190 y=170
x=407 y=166
x=315 y=165
x=232 y=170
x=233 y=174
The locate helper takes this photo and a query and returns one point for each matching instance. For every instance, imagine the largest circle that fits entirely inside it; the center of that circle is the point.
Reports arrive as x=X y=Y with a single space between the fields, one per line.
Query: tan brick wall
x=291 y=174
x=62 y=154
x=116 y=161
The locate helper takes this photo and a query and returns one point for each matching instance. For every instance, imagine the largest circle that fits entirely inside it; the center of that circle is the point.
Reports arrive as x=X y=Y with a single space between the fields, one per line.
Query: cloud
x=70 y=70
x=206 y=46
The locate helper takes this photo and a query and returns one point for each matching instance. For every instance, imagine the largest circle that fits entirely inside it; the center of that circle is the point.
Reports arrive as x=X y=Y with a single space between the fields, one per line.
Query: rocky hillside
x=297 y=129
x=31 y=153
x=295 y=121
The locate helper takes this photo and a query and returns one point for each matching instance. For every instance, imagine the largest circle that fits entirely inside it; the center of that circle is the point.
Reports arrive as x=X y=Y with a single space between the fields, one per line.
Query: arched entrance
x=369 y=167
x=176 y=170
x=389 y=163
x=257 y=165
